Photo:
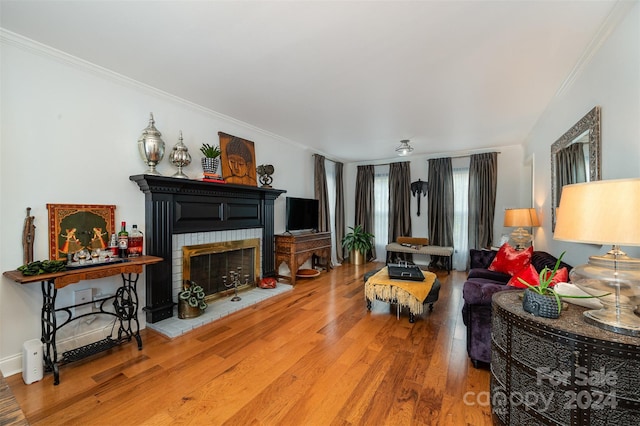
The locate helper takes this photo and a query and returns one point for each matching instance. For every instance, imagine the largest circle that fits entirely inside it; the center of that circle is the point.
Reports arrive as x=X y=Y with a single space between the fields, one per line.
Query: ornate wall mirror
x=575 y=157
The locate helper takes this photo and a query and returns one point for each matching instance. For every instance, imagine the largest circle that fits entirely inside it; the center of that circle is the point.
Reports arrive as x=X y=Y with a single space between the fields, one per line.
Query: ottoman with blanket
x=414 y=295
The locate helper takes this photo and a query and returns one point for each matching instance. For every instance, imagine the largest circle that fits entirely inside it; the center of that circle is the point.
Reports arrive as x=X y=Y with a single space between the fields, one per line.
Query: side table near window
x=560 y=371
x=125 y=308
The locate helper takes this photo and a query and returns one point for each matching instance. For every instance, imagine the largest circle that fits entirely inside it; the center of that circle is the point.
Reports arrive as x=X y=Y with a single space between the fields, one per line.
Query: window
x=330 y=170
x=460 y=218
x=381 y=211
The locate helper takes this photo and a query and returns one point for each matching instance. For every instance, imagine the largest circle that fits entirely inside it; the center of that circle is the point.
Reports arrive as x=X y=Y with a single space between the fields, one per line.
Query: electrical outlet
x=83 y=296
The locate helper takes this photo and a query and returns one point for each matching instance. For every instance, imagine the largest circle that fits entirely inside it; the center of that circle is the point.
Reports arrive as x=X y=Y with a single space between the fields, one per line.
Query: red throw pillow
x=561 y=276
x=510 y=261
x=529 y=274
x=532 y=277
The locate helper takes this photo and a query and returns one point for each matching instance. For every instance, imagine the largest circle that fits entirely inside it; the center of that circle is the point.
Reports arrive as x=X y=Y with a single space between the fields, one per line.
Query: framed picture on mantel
x=238 y=160
x=73 y=227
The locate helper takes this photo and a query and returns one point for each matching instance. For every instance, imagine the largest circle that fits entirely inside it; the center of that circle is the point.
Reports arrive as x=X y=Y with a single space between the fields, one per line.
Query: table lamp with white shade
x=605 y=212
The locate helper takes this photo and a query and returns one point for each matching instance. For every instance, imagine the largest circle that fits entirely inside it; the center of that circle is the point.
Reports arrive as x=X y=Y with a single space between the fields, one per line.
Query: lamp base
x=521 y=237
x=614 y=279
x=625 y=323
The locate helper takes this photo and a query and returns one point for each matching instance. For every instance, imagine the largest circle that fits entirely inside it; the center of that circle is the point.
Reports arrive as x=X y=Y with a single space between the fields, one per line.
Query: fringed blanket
x=405 y=293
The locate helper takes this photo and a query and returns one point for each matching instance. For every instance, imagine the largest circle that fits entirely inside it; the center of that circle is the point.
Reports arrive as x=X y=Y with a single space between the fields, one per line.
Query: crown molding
x=43 y=50
x=617 y=14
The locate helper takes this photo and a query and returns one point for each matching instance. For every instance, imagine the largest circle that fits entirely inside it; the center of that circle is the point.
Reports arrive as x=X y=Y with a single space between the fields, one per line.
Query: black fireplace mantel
x=178 y=206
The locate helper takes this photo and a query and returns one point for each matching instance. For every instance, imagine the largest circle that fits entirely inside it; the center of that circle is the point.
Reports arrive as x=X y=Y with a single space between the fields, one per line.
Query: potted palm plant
x=211 y=158
x=358 y=243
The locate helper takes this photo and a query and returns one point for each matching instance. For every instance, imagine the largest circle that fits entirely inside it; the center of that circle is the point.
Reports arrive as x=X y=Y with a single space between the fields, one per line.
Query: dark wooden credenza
x=560 y=371
x=295 y=249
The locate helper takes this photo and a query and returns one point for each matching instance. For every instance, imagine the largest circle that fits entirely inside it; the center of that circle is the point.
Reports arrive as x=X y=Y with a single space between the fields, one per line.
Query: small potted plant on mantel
x=358 y=243
x=211 y=158
x=543 y=300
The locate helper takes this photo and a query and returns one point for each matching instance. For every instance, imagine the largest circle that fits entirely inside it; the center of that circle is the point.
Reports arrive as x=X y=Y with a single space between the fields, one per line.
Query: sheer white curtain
x=381 y=213
x=460 y=218
x=330 y=170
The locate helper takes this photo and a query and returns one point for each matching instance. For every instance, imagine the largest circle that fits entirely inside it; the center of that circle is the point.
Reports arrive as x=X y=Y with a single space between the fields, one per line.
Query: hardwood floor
x=312 y=356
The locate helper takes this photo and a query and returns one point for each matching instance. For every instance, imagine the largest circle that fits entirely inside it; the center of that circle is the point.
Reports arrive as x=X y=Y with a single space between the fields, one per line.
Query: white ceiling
x=348 y=79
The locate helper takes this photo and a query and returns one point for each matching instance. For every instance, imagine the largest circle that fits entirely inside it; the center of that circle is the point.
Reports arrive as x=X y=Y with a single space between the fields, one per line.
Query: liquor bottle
x=135 y=242
x=113 y=245
x=123 y=240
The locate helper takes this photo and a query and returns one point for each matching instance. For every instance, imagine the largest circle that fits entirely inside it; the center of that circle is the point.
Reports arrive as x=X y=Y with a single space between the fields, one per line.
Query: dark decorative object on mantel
x=265 y=171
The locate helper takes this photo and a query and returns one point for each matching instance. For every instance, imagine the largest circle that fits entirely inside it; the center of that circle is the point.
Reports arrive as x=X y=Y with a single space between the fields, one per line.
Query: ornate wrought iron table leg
x=126 y=307
x=49 y=328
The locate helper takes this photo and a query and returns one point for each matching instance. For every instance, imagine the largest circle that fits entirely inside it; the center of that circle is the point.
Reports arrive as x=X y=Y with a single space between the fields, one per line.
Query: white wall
x=69 y=135
x=610 y=79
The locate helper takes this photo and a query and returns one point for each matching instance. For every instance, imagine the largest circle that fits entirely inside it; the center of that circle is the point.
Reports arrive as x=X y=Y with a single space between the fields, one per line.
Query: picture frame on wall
x=238 y=159
x=73 y=227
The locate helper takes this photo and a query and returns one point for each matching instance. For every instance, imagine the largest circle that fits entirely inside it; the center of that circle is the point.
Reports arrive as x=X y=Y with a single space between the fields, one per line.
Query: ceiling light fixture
x=404 y=148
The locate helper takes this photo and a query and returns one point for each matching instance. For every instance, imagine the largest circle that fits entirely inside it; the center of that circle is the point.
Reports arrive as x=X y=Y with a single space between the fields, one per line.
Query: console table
x=560 y=371
x=125 y=307
x=295 y=249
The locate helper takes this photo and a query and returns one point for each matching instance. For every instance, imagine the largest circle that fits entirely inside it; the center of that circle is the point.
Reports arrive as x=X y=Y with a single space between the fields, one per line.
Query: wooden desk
x=295 y=249
x=125 y=304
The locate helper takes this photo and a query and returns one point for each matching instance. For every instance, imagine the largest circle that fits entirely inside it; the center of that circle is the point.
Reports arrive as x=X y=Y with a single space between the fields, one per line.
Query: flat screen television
x=302 y=214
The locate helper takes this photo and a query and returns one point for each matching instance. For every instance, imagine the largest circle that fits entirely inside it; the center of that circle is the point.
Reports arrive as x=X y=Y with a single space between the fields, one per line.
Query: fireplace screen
x=213 y=265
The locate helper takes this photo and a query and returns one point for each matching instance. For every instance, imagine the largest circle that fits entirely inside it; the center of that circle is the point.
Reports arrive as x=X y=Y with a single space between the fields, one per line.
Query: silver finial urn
x=151 y=147
x=180 y=157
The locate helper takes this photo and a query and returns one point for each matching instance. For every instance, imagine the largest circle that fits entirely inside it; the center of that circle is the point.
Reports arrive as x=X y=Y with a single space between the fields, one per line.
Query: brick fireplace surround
x=182 y=206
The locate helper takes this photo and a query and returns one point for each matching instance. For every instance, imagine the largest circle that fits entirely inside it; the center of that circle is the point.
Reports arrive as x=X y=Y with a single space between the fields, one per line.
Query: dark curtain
x=571 y=167
x=321 y=194
x=400 y=204
x=440 y=204
x=339 y=228
x=364 y=201
x=483 y=180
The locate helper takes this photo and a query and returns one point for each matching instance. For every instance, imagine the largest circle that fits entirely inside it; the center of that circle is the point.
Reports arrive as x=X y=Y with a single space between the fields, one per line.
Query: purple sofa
x=477 y=292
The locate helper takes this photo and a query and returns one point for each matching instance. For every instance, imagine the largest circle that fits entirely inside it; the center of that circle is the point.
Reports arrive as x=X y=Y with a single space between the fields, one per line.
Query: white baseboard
x=13 y=363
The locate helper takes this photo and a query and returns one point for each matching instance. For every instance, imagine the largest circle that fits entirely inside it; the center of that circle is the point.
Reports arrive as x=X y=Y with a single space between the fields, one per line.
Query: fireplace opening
x=213 y=265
